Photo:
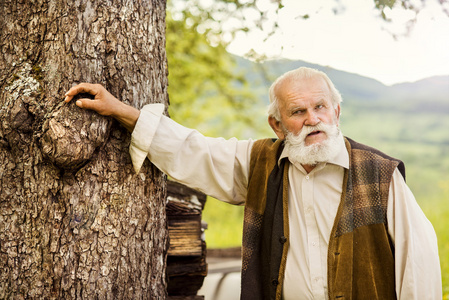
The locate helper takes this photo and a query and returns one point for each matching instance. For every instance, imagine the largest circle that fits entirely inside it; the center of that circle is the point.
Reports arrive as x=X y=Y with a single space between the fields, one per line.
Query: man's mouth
x=314 y=133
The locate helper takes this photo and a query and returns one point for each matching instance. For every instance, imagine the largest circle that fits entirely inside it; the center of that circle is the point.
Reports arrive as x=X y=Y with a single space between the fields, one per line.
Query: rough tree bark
x=75 y=220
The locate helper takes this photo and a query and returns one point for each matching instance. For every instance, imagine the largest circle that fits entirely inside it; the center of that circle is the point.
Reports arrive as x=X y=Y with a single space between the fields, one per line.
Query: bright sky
x=357 y=40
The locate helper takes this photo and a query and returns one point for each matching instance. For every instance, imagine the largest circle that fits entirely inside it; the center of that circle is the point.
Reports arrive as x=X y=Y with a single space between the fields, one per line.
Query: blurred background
x=388 y=58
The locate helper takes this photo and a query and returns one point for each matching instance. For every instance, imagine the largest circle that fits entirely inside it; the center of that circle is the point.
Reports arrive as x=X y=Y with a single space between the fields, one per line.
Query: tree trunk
x=75 y=220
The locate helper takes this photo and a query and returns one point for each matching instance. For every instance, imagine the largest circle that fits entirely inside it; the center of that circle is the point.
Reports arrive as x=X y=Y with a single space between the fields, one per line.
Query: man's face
x=304 y=103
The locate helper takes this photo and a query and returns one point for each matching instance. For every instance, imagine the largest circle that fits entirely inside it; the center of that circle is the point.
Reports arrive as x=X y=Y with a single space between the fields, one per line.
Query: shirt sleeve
x=417 y=264
x=214 y=166
x=143 y=133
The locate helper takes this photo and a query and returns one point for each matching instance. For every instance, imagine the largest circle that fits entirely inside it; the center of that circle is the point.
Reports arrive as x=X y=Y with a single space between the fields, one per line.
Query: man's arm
x=418 y=274
x=105 y=104
x=215 y=166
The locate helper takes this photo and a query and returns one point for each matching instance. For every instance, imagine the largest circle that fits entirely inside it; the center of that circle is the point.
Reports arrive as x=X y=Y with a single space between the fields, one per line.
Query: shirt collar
x=341 y=159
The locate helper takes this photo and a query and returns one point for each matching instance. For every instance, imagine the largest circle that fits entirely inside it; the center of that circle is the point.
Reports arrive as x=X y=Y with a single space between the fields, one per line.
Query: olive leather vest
x=360 y=252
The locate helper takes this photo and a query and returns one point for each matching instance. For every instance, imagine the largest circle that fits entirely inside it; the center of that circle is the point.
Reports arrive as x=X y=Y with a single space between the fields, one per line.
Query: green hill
x=353 y=87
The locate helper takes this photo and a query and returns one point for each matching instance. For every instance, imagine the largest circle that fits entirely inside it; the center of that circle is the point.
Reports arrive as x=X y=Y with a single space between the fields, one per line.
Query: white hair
x=299 y=74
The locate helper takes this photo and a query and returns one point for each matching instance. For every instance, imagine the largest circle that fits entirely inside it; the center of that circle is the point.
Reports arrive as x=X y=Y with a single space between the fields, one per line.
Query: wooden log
x=182 y=265
x=181 y=192
x=185 y=235
x=186 y=260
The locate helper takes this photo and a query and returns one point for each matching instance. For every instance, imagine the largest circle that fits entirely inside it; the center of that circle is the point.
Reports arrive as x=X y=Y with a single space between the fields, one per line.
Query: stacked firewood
x=186 y=261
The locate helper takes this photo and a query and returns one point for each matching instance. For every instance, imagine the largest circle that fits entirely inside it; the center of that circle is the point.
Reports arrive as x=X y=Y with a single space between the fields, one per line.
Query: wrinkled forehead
x=292 y=87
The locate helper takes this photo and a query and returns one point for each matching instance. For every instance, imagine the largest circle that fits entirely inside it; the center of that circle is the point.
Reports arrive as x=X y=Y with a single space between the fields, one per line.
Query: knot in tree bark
x=71 y=136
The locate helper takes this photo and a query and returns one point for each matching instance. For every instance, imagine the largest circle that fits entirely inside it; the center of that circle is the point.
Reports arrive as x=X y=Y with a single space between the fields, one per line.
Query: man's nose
x=312 y=119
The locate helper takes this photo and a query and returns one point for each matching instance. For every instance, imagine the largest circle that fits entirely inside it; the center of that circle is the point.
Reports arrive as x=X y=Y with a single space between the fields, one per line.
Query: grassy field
x=420 y=139
x=437 y=212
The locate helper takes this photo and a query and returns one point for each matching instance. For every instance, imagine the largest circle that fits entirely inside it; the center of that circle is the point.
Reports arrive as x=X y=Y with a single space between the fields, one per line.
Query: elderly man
x=325 y=216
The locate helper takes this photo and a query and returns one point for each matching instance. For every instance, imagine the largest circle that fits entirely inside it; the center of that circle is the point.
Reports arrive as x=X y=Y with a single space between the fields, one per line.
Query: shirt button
x=313 y=244
x=307 y=177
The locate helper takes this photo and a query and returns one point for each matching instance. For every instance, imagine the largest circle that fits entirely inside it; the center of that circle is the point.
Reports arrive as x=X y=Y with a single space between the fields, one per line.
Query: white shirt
x=219 y=168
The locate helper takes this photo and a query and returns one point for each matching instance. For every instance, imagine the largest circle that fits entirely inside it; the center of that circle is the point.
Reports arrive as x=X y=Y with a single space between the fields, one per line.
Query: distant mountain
x=353 y=87
x=435 y=89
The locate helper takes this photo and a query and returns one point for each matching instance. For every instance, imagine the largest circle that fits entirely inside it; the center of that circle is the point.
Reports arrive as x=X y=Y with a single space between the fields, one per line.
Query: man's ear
x=277 y=127
x=337 y=113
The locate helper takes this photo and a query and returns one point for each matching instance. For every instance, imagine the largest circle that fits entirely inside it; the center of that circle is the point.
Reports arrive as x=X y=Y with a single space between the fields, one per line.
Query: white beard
x=315 y=153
